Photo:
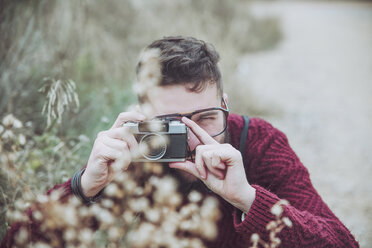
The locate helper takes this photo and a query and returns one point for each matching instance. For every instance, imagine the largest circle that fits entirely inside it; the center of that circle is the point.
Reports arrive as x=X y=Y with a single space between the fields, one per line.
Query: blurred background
x=67 y=69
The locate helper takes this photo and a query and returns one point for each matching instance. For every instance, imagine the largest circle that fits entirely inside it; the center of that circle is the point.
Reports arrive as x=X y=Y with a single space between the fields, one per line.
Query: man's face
x=178 y=99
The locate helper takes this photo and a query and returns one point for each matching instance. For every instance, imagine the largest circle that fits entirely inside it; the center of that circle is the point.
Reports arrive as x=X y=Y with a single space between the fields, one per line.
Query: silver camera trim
x=164 y=148
x=165 y=160
x=174 y=127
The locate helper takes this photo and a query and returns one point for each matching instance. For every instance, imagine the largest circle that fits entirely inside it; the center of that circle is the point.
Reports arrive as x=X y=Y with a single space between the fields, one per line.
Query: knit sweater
x=275 y=171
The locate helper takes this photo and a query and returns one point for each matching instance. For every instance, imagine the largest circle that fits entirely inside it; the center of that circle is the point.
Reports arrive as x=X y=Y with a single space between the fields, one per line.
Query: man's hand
x=112 y=152
x=220 y=167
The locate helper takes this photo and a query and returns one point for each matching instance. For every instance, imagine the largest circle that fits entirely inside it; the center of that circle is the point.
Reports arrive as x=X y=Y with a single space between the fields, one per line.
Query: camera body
x=160 y=140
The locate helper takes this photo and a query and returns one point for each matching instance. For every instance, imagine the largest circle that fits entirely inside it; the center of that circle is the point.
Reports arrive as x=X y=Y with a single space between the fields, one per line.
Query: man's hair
x=187 y=60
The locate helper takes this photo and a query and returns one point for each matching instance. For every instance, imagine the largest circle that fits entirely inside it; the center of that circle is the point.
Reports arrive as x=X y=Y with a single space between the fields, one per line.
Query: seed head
x=277 y=210
x=287 y=221
x=194 y=196
x=255 y=237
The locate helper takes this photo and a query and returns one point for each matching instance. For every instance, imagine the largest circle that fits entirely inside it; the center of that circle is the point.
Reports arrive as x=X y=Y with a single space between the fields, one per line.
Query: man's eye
x=207 y=118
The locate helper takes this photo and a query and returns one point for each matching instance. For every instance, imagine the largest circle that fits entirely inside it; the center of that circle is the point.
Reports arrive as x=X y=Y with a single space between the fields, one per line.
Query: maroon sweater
x=275 y=171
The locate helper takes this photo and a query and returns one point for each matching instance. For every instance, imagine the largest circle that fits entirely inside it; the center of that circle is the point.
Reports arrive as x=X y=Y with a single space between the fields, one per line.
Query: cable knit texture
x=275 y=171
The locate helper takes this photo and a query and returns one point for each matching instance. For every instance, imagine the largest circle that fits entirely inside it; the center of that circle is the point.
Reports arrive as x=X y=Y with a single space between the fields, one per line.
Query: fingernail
x=201 y=174
x=185 y=119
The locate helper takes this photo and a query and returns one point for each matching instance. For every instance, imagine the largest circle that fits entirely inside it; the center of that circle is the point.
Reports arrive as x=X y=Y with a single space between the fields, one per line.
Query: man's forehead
x=178 y=98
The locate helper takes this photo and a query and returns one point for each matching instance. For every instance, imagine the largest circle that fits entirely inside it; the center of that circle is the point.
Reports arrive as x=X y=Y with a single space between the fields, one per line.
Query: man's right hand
x=112 y=152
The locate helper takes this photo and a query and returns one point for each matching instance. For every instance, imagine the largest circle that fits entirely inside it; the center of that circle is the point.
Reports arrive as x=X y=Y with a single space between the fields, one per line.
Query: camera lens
x=156 y=146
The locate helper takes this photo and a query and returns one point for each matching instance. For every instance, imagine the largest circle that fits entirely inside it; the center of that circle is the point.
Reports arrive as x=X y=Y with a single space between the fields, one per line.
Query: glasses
x=212 y=120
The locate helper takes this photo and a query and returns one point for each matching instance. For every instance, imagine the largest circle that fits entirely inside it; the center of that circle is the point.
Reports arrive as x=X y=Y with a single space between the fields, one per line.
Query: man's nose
x=193 y=141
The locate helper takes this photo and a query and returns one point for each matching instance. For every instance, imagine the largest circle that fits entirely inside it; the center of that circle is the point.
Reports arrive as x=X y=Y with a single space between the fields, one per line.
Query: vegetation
x=67 y=68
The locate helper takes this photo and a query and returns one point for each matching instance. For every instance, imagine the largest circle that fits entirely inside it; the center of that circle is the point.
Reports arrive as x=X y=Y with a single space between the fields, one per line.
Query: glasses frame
x=225 y=110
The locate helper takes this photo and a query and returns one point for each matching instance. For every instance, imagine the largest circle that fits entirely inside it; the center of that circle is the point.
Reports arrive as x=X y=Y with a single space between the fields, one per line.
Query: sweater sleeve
x=64 y=188
x=279 y=174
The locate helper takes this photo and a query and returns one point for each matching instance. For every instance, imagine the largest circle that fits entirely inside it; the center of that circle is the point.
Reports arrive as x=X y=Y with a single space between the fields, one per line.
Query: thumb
x=186 y=166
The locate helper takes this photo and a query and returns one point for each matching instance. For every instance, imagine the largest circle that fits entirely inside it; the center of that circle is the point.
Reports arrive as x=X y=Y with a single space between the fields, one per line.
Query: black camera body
x=160 y=140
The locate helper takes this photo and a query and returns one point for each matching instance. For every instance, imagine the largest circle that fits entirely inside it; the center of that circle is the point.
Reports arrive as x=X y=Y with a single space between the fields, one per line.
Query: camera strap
x=243 y=137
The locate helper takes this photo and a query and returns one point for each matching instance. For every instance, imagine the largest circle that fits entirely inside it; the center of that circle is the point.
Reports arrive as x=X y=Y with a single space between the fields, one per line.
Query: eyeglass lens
x=212 y=121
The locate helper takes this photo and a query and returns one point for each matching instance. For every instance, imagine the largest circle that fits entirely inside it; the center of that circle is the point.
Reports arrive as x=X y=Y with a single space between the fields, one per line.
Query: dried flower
x=209 y=230
x=69 y=215
x=287 y=221
x=114 y=233
x=8 y=135
x=69 y=234
x=21 y=139
x=42 y=198
x=41 y=245
x=21 y=236
x=17 y=123
x=129 y=216
x=8 y=120
x=107 y=203
x=139 y=205
x=209 y=208
x=37 y=215
x=255 y=237
x=105 y=217
x=60 y=95
x=140 y=208
x=194 y=196
x=149 y=73
x=276 y=210
x=274 y=227
x=104 y=119
x=85 y=236
x=83 y=138
x=153 y=215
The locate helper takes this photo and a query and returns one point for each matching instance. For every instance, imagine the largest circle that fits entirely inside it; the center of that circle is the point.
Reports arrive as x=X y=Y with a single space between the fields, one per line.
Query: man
x=191 y=83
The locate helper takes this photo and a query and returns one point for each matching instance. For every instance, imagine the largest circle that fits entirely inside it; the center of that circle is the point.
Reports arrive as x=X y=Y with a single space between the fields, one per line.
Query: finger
x=199 y=164
x=121 y=163
x=106 y=153
x=128 y=145
x=113 y=143
x=116 y=133
x=121 y=133
x=211 y=160
x=217 y=163
x=199 y=132
x=203 y=159
x=127 y=116
x=132 y=142
x=229 y=155
x=187 y=166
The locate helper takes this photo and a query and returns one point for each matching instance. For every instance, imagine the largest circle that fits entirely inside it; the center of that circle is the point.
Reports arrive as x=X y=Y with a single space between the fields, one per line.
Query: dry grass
x=95 y=45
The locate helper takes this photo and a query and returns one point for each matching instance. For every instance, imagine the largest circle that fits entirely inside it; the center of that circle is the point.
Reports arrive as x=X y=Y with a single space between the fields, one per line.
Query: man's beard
x=188 y=182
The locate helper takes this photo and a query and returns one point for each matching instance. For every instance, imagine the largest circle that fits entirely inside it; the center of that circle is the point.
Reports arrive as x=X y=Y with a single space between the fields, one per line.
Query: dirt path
x=320 y=80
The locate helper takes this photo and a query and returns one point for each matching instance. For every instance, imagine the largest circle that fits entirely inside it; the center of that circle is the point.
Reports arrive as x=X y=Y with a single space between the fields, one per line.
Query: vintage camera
x=160 y=140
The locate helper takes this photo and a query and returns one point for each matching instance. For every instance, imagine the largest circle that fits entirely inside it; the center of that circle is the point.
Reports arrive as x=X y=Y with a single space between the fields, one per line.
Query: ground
x=319 y=79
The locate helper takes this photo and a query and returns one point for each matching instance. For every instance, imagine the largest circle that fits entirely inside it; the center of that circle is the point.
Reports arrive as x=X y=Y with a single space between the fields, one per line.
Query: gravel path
x=320 y=81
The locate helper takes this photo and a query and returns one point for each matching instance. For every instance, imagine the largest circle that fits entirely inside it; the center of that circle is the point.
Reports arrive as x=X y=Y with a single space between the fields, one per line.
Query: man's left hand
x=220 y=167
